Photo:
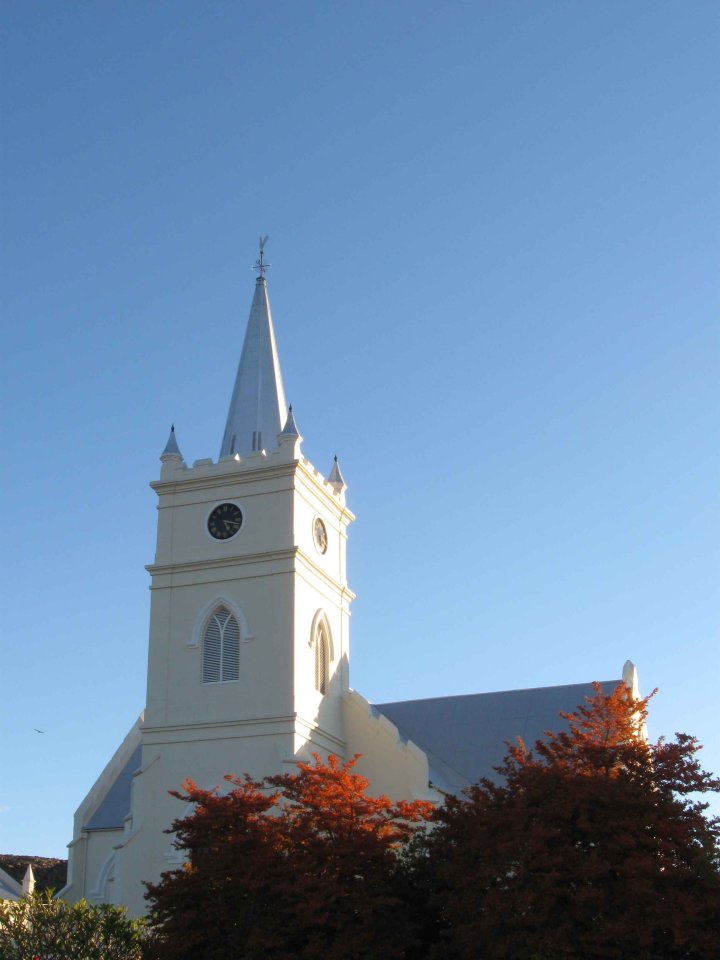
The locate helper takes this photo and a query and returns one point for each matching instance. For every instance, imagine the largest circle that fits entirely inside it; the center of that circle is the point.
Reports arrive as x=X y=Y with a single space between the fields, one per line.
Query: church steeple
x=257 y=409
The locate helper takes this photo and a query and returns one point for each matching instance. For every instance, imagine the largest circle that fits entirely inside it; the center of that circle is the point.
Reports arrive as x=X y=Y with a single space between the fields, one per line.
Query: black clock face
x=225 y=521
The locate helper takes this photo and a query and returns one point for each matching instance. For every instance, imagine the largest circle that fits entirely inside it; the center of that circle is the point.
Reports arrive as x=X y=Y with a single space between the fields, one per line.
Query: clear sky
x=494 y=247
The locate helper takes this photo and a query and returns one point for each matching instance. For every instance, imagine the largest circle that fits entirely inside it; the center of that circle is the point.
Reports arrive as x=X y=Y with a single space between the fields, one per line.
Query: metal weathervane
x=260 y=264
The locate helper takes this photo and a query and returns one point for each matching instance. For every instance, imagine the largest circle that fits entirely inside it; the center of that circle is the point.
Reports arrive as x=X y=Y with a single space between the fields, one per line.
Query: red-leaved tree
x=592 y=846
x=300 y=865
x=223 y=895
x=342 y=845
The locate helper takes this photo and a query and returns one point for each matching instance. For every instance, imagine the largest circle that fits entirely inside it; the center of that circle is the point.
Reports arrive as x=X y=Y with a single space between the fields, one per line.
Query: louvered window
x=221 y=648
x=322 y=659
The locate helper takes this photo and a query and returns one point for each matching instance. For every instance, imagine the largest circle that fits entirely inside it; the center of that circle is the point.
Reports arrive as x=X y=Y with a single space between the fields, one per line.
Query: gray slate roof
x=10 y=889
x=116 y=805
x=466 y=737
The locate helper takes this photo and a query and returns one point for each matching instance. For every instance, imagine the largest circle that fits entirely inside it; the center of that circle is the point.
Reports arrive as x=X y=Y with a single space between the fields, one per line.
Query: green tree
x=37 y=927
x=591 y=847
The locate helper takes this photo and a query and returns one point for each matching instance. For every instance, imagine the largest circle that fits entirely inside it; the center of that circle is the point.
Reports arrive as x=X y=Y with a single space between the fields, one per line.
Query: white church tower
x=250 y=603
x=248 y=662
x=248 y=646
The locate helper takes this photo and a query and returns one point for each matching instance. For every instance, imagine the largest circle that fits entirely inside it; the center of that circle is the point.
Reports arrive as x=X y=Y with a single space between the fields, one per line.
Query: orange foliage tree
x=300 y=865
x=591 y=846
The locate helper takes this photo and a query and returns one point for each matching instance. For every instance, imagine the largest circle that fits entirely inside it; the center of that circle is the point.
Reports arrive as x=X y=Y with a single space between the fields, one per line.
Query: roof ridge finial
x=28 y=884
x=172 y=450
x=336 y=479
x=260 y=264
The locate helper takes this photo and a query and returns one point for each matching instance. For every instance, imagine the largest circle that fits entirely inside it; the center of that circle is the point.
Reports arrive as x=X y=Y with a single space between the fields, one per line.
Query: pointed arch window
x=221 y=647
x=104 y=879
x=322 y=657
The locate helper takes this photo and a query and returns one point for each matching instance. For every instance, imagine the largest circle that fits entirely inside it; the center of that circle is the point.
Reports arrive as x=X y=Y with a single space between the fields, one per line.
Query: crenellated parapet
x=394 y=765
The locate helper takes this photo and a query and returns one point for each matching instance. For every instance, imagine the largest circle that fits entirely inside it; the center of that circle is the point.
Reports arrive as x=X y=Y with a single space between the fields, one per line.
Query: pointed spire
x=257 y=408
x=335 y=479
x=290 y=429
x=289 y=439
x=172 y=450
x=28 y=884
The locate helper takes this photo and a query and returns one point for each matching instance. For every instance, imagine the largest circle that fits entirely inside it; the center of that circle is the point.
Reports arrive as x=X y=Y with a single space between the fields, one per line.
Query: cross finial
x=260 y=264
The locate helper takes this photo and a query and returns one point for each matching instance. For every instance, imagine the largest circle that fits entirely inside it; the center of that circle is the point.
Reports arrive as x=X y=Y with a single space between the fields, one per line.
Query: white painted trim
x=220 y=600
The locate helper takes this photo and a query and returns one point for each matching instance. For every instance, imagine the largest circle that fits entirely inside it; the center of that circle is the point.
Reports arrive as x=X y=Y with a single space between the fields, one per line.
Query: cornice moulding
x=292 y=554
x=189 y=566
x=210 y=476
x=150 y=733
x=309 y=564
x=161 y=734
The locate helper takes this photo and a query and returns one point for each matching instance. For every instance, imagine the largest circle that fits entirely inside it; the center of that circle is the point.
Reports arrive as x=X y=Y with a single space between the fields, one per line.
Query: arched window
x=221 y=647
x=322 y=657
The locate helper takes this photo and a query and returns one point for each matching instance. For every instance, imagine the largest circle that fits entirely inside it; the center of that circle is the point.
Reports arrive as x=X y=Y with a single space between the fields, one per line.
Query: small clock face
x=320 y=534
x=225 y=521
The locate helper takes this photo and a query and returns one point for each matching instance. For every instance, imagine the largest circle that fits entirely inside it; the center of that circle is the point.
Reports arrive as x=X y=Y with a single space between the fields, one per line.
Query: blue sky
x=494 y=245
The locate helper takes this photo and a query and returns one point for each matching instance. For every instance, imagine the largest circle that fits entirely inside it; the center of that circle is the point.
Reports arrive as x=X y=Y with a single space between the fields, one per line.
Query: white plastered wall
x=395 y=767
x=321 y=592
